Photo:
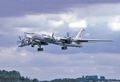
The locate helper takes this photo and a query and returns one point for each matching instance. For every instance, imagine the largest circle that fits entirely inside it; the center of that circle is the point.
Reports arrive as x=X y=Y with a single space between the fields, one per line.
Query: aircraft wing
x=91 y=40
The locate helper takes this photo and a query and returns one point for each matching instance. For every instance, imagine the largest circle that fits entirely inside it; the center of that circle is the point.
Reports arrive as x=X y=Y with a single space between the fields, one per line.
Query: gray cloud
x=40 y=16
x=23 y=7
x=13 y=26
x=49 y=66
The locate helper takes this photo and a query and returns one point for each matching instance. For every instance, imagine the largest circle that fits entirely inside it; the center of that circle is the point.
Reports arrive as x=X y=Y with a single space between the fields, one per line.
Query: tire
x=63 y=48
x=32 y=45
x=40 y=49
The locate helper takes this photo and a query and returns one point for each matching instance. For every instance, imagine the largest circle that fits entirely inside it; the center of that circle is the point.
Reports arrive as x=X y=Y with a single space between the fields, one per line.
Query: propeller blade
x=68 y=35
x=25 y=35
x=20 y=38
x=19 y=41
x=28 y=33
x=53 y=35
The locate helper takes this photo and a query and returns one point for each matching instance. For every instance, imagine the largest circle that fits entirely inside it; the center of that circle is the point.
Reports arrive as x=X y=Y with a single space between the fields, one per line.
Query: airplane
x=33 y=39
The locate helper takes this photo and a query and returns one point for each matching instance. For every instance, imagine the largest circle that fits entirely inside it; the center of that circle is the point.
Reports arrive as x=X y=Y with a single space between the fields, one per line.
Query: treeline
x=14 y=76
x=64 y=80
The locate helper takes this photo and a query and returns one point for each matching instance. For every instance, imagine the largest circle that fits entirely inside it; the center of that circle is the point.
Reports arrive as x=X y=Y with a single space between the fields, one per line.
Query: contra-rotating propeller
x=68 y=36
x=53 y=35
x=24 y=41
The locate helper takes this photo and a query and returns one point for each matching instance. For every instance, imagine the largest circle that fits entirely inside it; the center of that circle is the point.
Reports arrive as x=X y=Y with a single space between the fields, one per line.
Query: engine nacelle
x=43 y=43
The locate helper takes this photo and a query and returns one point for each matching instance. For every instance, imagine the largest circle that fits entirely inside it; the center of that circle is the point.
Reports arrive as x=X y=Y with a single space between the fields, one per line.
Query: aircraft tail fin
x=80 y=34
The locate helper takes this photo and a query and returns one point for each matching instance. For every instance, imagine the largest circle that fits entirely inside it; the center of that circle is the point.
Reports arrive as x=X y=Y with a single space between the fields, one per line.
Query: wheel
x=64 y=48
x=40 y=49
x=32 y=45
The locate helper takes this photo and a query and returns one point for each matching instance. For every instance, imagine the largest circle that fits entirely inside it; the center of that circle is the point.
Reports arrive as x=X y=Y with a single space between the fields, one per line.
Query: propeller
x=53 y=35
x=28 y=33
x=68 y=35
x=20 y=38
x=24 y=41
x=67 y=38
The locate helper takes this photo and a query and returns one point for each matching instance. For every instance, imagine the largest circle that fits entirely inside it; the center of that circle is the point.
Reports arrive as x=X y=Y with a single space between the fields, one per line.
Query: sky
x=100 y=18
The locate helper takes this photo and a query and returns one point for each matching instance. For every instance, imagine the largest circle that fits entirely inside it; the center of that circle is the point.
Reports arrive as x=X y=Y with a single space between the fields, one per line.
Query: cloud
x=37 y=23
x=56 y=24
x=46 y=66
x=73 y=18
x=100 y=20
x=114 y=23
x=78 y=24
x=9 y=57
x=24 y=7
x=104 y=9
x=12 y=27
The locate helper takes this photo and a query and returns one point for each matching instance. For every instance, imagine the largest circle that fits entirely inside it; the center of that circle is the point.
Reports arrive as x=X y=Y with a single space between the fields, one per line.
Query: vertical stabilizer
x=80 y=34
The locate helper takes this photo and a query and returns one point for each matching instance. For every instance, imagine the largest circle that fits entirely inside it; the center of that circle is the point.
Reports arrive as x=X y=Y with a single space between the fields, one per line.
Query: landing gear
x=32 y=45
x=40 y=49
x=64 y=48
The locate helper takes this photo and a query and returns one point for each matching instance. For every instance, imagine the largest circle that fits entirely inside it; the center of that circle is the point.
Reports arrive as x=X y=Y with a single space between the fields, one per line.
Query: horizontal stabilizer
x=93 y=41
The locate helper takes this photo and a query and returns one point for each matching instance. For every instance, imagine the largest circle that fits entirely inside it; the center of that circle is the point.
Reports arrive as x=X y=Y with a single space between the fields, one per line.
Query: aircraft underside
x=63 y=46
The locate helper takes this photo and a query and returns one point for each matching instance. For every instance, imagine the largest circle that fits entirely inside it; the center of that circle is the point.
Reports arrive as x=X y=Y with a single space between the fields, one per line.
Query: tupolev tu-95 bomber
x=34 y=39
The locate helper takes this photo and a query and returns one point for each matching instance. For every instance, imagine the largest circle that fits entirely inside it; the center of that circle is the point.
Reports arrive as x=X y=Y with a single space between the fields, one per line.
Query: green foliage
x=14 y=76
x=63 y=80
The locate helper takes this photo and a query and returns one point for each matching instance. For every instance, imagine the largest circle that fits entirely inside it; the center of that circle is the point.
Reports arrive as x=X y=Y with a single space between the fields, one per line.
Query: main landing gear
x=40 y=48
x=32 y=45
x=64 y=48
